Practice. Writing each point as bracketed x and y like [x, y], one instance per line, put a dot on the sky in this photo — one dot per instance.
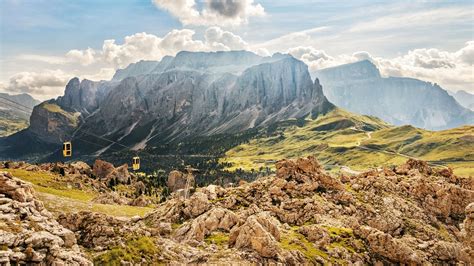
[45, 43]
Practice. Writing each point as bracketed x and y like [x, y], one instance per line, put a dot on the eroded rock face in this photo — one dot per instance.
[305, 175]
[260, 232]
[102, 169]
[467, 234]
[99, 231]
[202, 226]
[106, 171]
[28, 232]
[177, 180]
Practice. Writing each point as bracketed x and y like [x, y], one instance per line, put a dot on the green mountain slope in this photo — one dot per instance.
[350, 142]
[10, 124]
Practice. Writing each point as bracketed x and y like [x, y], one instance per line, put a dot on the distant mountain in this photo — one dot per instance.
[359, 87]
[15, 117]
[465, 98]
[190, 95]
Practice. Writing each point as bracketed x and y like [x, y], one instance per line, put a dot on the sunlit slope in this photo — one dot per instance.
[10, 125]
[60, 196]
[341, 138]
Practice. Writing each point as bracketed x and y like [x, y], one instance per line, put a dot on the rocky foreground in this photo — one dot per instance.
[301, 215]
[29, 233]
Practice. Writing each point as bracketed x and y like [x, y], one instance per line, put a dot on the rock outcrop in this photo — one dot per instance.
[409, 214]
[106, 171]
[178, 180]
[28, 232]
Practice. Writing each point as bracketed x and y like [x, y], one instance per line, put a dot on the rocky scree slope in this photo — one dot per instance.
[28, 232]
[407, 214]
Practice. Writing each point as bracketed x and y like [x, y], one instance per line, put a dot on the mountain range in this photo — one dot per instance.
[15, 111]
[189, 95]
[212, 102]
[360, 88]
[464, 98]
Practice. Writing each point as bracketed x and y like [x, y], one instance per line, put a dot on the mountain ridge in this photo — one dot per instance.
[397, 100]
[181, 101]
[15, 112]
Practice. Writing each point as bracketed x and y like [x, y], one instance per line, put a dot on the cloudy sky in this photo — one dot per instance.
[44, 43]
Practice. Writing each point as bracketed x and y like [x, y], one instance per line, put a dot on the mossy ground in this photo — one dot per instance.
[134, 250]
[293, 240]
[54, 108]
[218, 238]
[58, 196]
[342, 238]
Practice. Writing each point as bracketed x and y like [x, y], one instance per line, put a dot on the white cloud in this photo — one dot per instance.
[291, 40]
[41, 85]
[317, 59]
[362, 55]
[55, 60]
[213, 12]
[105, 73]
[84, 57]
[466, 54]
[452, 70]
[144, 46]
[224, 40]
[135, 46]
[429, 18]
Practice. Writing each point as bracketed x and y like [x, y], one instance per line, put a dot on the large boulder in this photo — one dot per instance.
[396, 250]
[202, 226]
[178, 180]
[467, 234]
[106, 171]
[305, 175]
[15, 189]
[81, 168]
[120, 174]
[102, 169]
[260, 232]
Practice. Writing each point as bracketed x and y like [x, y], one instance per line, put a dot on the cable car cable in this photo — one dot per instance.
[18, 108]
[16, 103]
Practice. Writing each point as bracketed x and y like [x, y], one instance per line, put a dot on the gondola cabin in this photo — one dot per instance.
[136, 163]
[67, 149]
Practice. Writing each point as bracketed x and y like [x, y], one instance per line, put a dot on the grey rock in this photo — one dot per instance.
[359, 88]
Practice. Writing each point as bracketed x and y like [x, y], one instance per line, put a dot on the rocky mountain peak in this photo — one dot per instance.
[201, 93]
[364, 69]
[358, 87]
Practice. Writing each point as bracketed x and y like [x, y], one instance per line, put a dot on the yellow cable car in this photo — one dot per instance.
[136, 163]
[67, 149]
